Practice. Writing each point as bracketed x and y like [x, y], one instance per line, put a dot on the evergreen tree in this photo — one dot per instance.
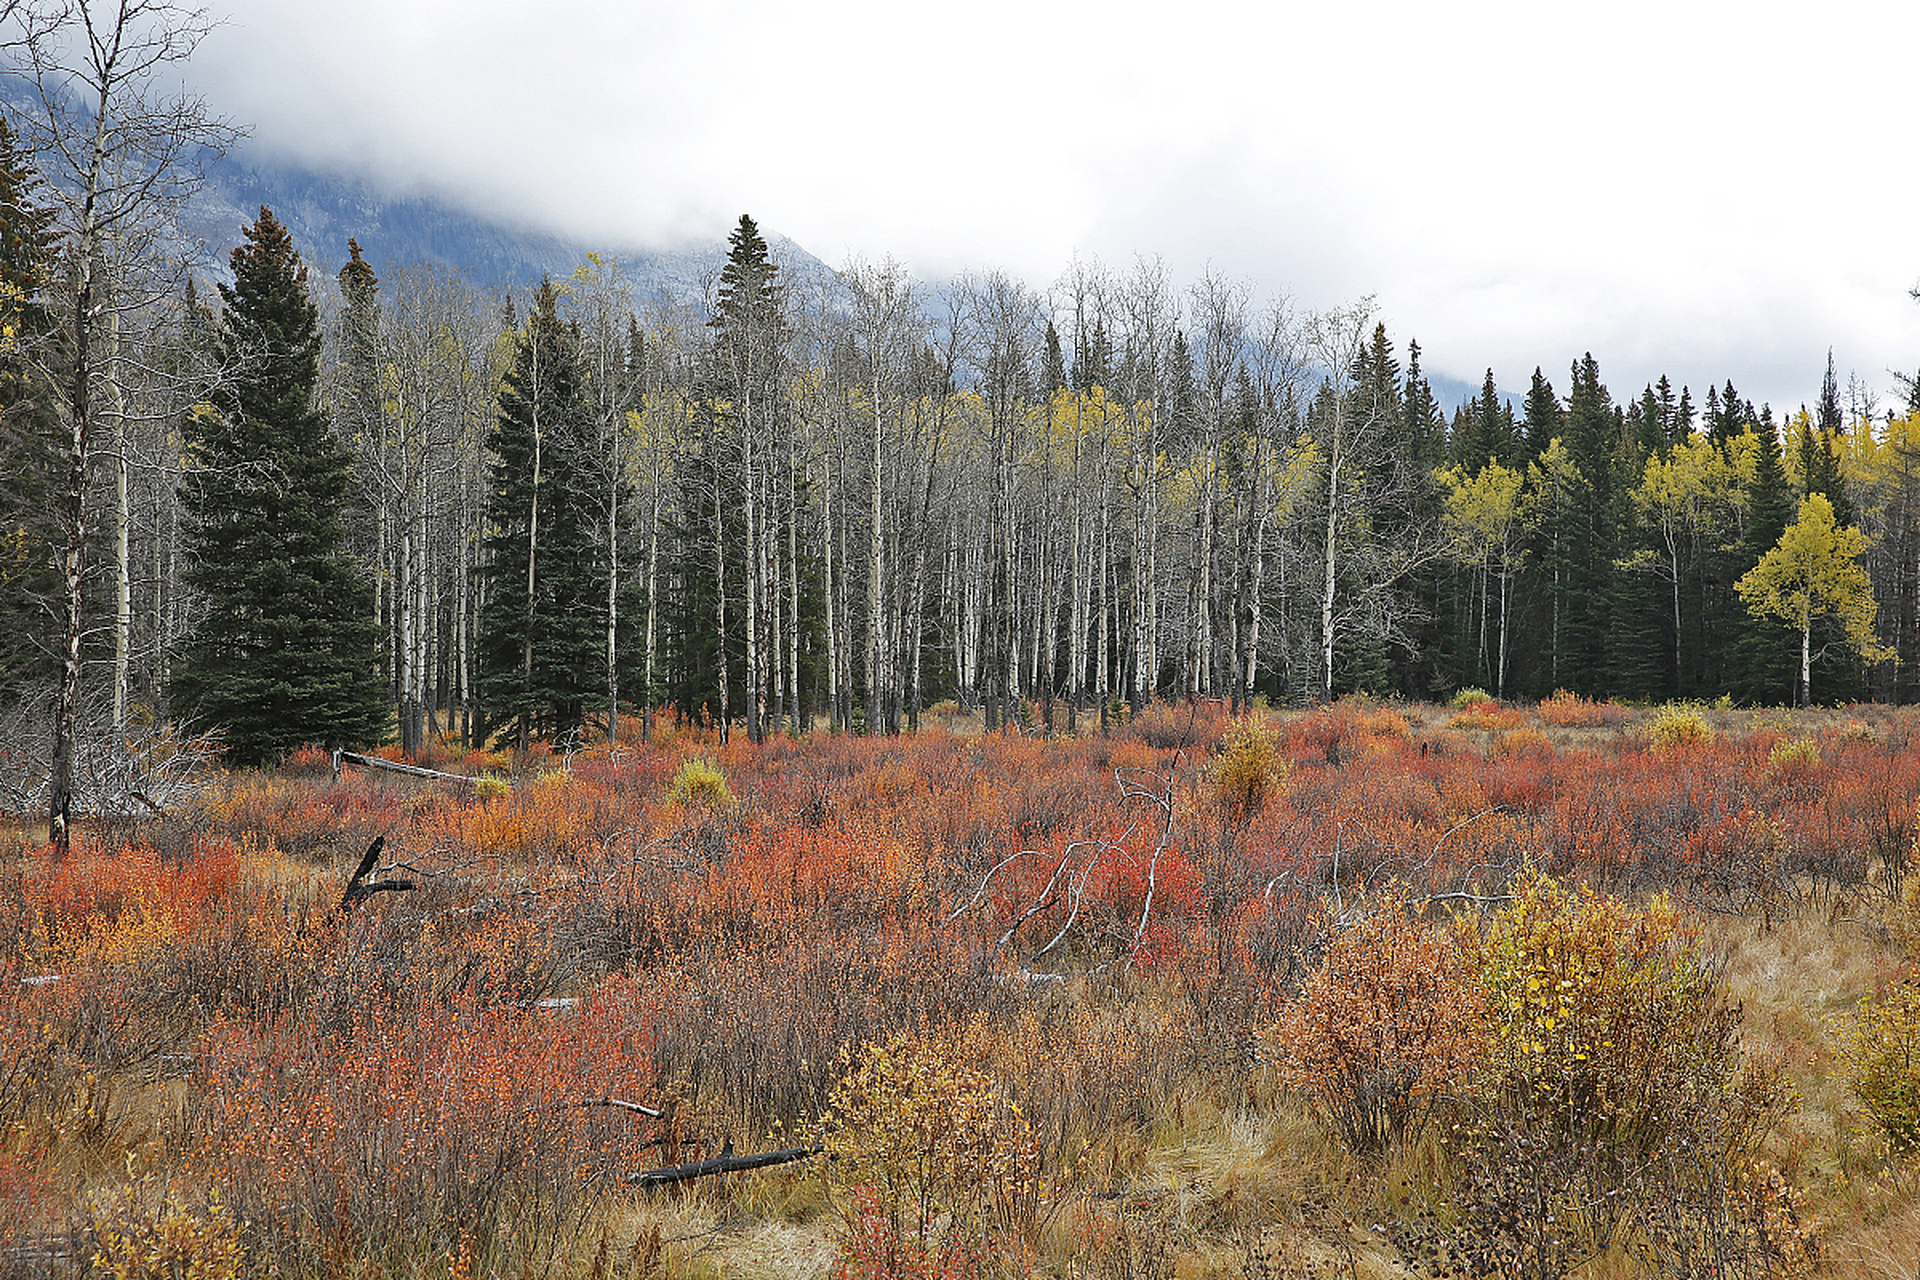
[1487, 431]
[1542, 420]
[1092, 357]
[1056, 374]
[1589, 607]
[29, 425]
[1828, 421]
[285, 652]
[541, 648]
[1727, 414]
[1763, 659]
[1426, 426]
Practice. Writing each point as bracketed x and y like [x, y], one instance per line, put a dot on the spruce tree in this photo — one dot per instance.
[1591, 582]
[1487, 431]
[1542, 419]
[29, 425]
[1763, 655]
[1426, 426]
[541, 648]
[1056, 375]
[285, 650]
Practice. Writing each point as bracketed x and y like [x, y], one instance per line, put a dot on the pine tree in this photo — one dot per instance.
[285, 652]
[1828, 421]
[1056, 372]
[1487, 431]
[1590, 582]
[1426, 426]
[541, 648]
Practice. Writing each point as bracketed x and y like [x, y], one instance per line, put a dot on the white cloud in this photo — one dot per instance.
[1709, 190]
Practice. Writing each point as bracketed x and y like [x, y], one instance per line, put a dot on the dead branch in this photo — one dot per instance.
[718, 1165]
[394, 766]
[616, 1103]
[359, 887]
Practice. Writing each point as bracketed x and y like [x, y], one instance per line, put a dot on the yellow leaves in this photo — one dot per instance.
[1695, 488]
[171, 1242]
[1814, 570]
[930, 1135]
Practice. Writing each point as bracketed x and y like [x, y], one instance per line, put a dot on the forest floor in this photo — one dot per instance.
[1043, 1004]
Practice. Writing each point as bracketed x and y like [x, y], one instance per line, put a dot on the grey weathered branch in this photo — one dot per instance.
[719, 1165]
[394, 766]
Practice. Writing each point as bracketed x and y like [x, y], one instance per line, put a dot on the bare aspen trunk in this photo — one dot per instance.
[613, 589]
[1256, 571]
[1102, 689]
[1332, 529]
[533, 545]
[720, 604]
[836, 676]
[653, 615]
[874, 547]
[750, 544]
[793, 590]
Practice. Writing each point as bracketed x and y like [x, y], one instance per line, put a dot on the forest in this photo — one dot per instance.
[839, 502]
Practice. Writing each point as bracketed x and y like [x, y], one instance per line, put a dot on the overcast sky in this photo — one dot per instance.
[1709, 190]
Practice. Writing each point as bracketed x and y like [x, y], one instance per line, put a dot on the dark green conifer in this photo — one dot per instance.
[1056, 372]
[1765, 659]
[285, 650]
[1487, 431]
[29, 424]
[1541, 417]
[541, 648]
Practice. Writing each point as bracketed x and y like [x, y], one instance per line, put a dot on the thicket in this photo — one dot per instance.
[1132, 1005]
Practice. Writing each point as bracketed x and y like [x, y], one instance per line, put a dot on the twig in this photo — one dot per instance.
[981, 891]
[619, 1104]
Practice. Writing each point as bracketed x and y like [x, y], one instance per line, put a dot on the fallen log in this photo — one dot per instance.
[394, 766]
[719, 1164]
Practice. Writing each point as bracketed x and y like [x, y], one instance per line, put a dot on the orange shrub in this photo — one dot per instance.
[1571, 711]
[1392, 1016]
[409, 1129]
[1488, 715]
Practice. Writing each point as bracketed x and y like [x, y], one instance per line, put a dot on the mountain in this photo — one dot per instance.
[322, 211]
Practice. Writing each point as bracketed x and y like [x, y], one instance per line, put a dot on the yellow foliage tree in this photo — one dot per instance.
[1687, 499]
[1490, 515]
[1814, 572]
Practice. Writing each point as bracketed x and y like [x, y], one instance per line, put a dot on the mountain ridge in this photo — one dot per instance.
[322, 212]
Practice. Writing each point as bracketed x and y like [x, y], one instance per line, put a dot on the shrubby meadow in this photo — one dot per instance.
[1373, 989]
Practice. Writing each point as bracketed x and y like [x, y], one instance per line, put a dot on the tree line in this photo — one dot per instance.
[412, 506]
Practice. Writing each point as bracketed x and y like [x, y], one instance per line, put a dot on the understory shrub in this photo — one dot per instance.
[1615, 1107]
[1881, 1051]
[1390, 1017]
[938, 1168]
